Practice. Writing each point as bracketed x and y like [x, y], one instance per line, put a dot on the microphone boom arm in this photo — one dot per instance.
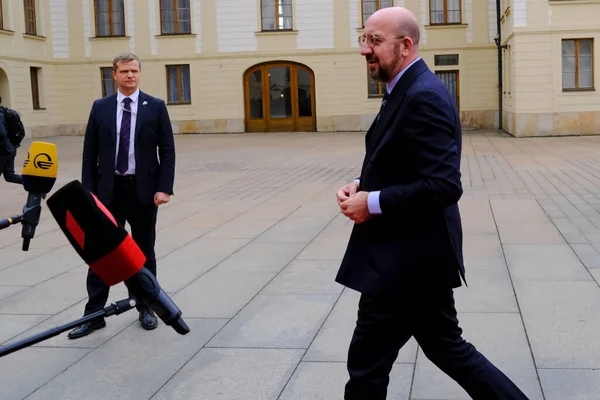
[6, 222]
[117, 308]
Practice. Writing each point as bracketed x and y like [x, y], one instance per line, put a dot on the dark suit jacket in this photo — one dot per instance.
[6, 147]
[152, 131]
[413, 157]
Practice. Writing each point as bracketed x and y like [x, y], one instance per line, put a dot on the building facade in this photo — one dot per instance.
[294, 65]
[549, 49]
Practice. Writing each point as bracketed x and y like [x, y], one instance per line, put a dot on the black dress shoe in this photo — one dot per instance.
[86, 329]
[148, 319]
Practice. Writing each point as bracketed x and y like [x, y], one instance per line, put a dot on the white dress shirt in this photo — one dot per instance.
[373, 200]
[120, 110]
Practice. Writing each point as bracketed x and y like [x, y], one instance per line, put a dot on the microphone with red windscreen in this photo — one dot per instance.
[109, 250]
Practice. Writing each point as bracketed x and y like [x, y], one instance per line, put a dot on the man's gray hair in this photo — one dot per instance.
[125, 57]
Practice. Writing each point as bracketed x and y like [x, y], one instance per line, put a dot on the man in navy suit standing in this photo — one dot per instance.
[120, 165]
[405, 252]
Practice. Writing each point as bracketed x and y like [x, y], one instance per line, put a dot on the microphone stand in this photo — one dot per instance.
[6, 222]
[30, 218]
[117, 308]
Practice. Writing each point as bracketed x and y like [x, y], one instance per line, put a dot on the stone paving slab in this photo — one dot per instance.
[570, 384]
[249, 247]
[233, 374]
[221, 294]
[562, 319]
[276, 321]
[322, 381]
[28, 370]
[556, 262]
[103, 374]
[499, 337]
[40, 269]
[490, 287]
[331, 343]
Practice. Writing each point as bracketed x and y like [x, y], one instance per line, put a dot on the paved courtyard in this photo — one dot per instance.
[249, 246]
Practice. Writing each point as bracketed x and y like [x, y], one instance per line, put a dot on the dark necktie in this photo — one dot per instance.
[124, 136]
[383, 101]
[385, 97]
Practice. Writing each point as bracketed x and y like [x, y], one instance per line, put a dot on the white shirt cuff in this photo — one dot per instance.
[373, 203]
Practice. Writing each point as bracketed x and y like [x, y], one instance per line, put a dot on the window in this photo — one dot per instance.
[1, 16]
[376, 88]
[109, 85]
[446, 59]
[444, 12]
[110, 17]
[35, 87]
[276, 15]
[507, 71]
[175, 17]
[451, 80]
[30, 25]
[577, 64]
[178, 84]
[370, 6]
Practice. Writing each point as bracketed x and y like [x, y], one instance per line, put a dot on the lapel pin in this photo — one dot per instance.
[144, 103]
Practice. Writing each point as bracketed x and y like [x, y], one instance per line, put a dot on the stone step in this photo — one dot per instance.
[467, 127]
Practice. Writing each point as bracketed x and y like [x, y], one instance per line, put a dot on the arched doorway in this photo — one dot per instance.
[4, 89]
[279, 97]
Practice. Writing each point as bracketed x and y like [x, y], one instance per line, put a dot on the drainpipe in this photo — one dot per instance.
[498, 41]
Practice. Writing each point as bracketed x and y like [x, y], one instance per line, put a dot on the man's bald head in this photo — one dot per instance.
[390, 42]
[399, 21]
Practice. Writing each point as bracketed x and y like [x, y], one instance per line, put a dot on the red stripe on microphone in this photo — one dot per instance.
[120, 264]
[75, 230]
[104, 209]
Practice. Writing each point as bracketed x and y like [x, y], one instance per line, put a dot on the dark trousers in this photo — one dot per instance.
[385, 325]
[142, 219]
[7, 168]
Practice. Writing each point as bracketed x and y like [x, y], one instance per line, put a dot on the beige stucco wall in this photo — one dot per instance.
[535, 103]
[222, 47]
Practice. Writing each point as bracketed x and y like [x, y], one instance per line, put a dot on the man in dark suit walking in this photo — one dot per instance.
[8, 151]
[405, 252]
[120, 165]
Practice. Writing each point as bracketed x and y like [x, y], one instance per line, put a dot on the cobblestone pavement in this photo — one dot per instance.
[249, 246]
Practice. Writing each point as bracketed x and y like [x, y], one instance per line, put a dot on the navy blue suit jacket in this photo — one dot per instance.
[413, 157]
[153, 132]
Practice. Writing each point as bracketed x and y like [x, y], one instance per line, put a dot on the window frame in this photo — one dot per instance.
[30, 6]
[507, 69]
[362, 10]
[35, 87]
[1, 16]
[102, 80]
[277, 28]
[176, 20]
[445, 9]
[576, 43]
[456, 73]
[179, 84]
[110, 21]
[381, 85]
[437, 59]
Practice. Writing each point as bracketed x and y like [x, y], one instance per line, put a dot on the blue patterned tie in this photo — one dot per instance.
[124, 135]
[383, 101]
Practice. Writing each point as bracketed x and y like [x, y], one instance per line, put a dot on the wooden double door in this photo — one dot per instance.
[279, 97]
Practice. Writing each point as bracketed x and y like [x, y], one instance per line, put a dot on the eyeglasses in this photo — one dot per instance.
[373, 40]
